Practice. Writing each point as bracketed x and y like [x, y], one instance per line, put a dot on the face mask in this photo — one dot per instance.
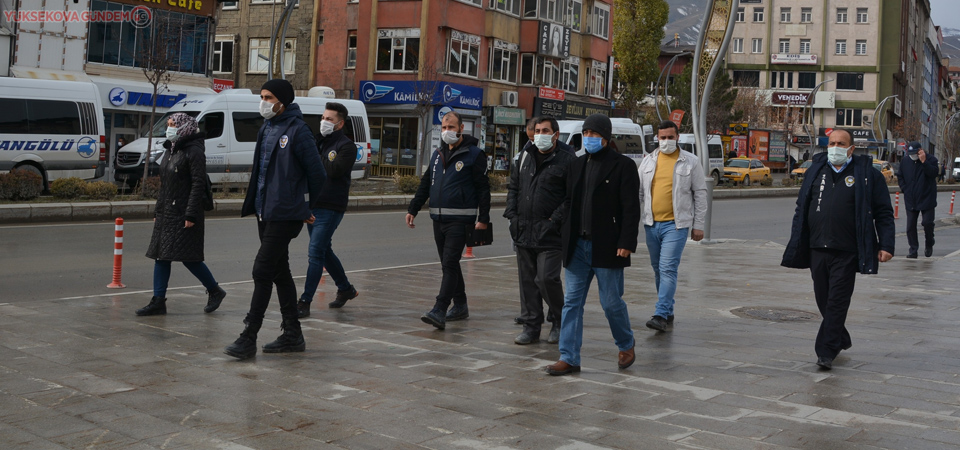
[326, 127]
[449, 137]
[266, 109]
[172, 134]
[592, 144]
[668, 147]
[914, 156]
[543, 142]
[837, 155]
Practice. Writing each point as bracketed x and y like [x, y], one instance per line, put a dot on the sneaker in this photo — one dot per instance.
[434, 317]
[657, 323]
[458, 312]
[156, 307]
[342, 297]
[554, 336]
[303, 309]
[213, 299]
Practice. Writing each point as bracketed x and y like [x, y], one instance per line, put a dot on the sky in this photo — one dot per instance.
[945, 13]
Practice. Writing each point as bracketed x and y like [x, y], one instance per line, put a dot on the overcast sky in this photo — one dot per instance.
[945, 13]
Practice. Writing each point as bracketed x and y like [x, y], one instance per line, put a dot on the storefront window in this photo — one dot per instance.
[393, 144]
[501, 146]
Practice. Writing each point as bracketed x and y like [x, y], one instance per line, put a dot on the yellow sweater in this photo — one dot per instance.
[661, 190]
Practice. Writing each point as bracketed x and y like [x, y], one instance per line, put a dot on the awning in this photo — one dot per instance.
[122, 94]
[48, 74]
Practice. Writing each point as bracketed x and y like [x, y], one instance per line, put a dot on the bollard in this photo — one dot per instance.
[469, 253]
[952, 198]
[117, 255]
[896, 207]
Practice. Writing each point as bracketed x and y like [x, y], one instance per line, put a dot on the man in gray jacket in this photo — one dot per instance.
[673, 198]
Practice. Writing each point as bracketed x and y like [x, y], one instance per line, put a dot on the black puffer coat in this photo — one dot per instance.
[535, 198]
[182, 187]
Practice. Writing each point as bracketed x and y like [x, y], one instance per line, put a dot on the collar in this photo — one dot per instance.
[844, 166]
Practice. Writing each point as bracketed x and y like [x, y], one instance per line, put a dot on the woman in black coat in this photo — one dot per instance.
[178, 217]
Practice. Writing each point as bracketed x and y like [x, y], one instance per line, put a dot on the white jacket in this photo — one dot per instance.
[689, 190]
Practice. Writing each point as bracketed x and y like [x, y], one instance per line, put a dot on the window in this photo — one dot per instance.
[529, 9]
[861, 15]
[22, 116]
[598, 79]
[552, 10]
[211, 125]
[850, 81]
[841, 15]
[570, 74]
[271, 1]
[230, 5]
[246, 125]
[601, 20]
[503, 62]
[784, 45]
[464, 54]
[746, 78]
[398, 50]
[551, 72]
[785, 14]
[223, 54]
[841, 46]
[738, 45]
[473, 2]
[807, 80]
[782, 80]
[352, 50]
[861, 48]
[507, 6]
[527, 63]
[758, 14]
[849, 117]
[575, 15]
[740, 13]
[260, 55]
[758, 45]
[804, 46]
[806, 15]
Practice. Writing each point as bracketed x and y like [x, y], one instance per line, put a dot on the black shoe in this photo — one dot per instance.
[213, 299]
[518, 320]
[657, 323]
[434, 317]
[846, 347]
[670, 319]
[825, 363]
[526, 338]
[928, 252]
[912, 256]
[342, 297]
[290, 341]
[303, 308]
[458, 312]
[554, 335]
[246, 345]
[156, 307]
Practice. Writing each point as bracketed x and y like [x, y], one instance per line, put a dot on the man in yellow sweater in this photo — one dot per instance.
[673, 199]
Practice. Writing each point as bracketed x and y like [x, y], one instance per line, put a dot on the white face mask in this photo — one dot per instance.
[326, 127]
[543, 142]
[914, 156]
[449, 137]
[668, 146]
[172, 134]
[837, 155]
[266, 109]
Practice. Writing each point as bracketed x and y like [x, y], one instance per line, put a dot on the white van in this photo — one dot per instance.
[714, 153]
[231, 120]
[956, 169]
[52, 128]
[631, 139]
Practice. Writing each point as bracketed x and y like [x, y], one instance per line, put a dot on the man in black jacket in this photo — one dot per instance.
[535, 209]
[917, 178]
[338, 153]
[599, 233]
[843, 225]
[458, 188]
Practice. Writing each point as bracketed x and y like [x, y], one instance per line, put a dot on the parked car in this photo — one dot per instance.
[745, 170]
[885, 168]
[800, 171]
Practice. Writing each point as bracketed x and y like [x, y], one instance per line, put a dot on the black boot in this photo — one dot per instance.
[246, 345]
[156, 307]
[290, 341]
[214, 298]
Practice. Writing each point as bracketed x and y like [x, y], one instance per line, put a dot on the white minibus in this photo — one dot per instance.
[630, 139]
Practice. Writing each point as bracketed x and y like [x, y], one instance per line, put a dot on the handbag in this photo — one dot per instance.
[479, 238]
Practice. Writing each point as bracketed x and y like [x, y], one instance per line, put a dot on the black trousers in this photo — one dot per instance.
[451, 239]
[272, 267]
[834, 273]
[926, 222]
[539, 273]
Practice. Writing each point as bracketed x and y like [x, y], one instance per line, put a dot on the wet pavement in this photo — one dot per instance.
[88, 373]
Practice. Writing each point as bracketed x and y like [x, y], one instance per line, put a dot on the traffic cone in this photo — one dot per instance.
[469, 253]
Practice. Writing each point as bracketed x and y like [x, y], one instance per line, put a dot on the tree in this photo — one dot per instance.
[723, 97]
[159, 58]
[637, 33]
[425, 91]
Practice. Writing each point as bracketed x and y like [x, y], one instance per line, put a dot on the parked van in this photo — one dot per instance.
[52, 128]
[631, 139]
[956, 169]
[714, 153]
[231, 120]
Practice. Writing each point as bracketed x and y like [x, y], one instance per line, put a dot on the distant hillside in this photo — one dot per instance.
[951, 45]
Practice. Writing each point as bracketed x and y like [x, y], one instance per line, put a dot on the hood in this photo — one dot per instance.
[292, 110]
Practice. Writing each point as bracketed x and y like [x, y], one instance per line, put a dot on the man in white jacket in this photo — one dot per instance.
[673, 198]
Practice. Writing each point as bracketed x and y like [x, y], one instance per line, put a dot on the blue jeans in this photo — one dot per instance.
[320, 254]
[161, 276]
[578, 275]
[665, 244]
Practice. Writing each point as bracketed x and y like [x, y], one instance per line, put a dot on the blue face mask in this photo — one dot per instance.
[592, 144]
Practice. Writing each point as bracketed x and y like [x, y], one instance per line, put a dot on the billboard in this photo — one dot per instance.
[758, 144]
[554, 40]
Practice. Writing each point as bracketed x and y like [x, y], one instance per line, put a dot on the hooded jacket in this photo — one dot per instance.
[918, 181]
[535, 197]
[457, 185]
[338, 153]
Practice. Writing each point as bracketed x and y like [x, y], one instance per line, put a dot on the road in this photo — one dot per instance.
[42, 262]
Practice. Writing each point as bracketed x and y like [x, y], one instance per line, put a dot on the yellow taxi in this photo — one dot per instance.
[885, 168]
[743, 171]
[799, 171]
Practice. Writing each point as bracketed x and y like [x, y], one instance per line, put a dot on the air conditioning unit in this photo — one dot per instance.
[867, 118]
[509, 98]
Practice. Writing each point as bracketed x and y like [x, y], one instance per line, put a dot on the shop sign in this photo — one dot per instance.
[581, 110]
[793, 58]
[409, 92]
[552, 94]
[196, 7]
[738, 129]
[554, 40]
[508, 116]
[220, 85]
[790, 98]
[758, 144]
[119, 96]
[859, 135]
[804, 139]
[778, 147]
[550, 108]
[676, 116]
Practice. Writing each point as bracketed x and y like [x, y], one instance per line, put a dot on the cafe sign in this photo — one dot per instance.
[196, 7]
[790, 98]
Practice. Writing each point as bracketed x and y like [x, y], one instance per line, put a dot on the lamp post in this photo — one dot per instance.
[664, 80]
[808, 112]
[877, 128]
[280, 32]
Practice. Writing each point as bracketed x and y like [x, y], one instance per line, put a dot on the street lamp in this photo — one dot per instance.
[664, 80]
[280, 32]
[877, 127]
[808, 112]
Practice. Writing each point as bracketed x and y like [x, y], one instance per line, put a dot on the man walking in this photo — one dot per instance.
[843, 225]
[535, 208]
[338, 153]
[673, 198]
[917, 178]
[458, 188]
[599, 234]
[287, 176]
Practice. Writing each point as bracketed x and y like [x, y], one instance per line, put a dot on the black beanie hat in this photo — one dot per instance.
[599, 123]
[281, 89]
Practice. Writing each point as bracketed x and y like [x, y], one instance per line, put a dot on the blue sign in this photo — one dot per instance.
[87, 147]
[118, 96]
[408, 92]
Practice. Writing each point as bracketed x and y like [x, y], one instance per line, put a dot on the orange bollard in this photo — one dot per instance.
[896, 207]
[952, 198]
[469, 253]
[117, 255]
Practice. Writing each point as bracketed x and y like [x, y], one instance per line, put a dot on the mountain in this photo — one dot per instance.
[951, 45]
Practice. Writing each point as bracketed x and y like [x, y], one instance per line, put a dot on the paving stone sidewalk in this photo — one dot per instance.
[87, 373]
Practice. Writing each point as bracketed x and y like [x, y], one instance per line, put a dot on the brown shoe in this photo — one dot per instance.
[561, 368]
[626, 359]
